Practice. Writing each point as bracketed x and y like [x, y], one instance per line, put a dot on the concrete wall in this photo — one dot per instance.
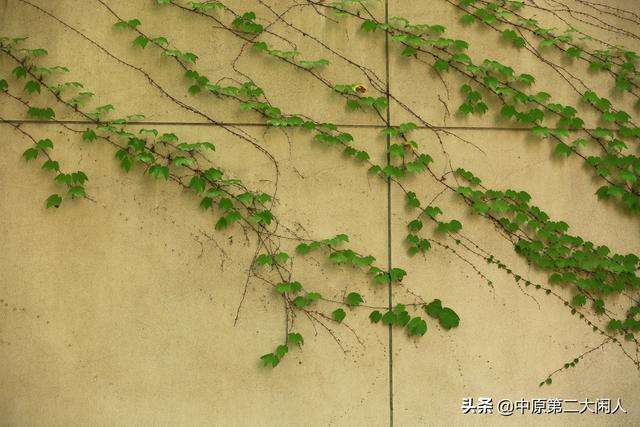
[121, 310]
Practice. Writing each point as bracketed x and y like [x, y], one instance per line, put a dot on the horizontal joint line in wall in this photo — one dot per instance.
[345, 125]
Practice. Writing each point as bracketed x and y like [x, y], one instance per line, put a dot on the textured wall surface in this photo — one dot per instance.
[128, 308]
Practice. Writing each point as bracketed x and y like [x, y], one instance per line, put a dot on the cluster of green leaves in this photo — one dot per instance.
[355, 101]
[621, 171]
[531, 116]
[210, 183]
[416, 243]
[248, 92]
[141, 148]
[567, 365]
[74, 182]
[290, 56]
[10, 45]
[619, 61]
[400, 130]
[415, 36]
[45, 113]
[446, 316]
[187, 57]
[417, 164]
[246, 23]
[499, 79]
[349, 257]
[210, 5]
[548, 245]
[491, 12]
[399, 316]
[631, 323]
[142, 41]
[273, 359]
[132, 23]
[417, 29]
[293, 288]
[263, 46]
[473, 101]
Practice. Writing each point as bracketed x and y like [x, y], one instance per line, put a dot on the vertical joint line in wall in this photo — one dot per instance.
[390, 293]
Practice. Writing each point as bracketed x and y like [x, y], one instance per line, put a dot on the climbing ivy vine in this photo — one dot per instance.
[592, 271]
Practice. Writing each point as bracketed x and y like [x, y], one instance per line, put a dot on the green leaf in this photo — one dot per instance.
[30, 154]
[623, 84]
[375, 316]
[41, 113]
[313, 296]
[79, 177]
[514, 38]
[434, 308]
[225, 204]
[467, 19]
[465, 108]
[415, 225]
[54, 200]
[417, 326]
[441, 65]
[448, 318]
[283, 287]
[76, 192]
[206, 5]
[44, 144]
[183, 161]
[526, 79]
[158, 171]
[281, 350]
[541, 131]
[141, 41]
[222, 223]
[396, 150]
[281, 257]
[206, 203]
[264, 259]
[397, 274]
[412, 200]
[354, 298]
[579, 300]
[598, 306]
[51, 165]
[338, 315]
[32, 86]
[295, 338]
[270, 359]
[432, 211]
[369, 25]
[389, 318]
[563, 149]
[88, 135]
[546, 43]
[63, 179]
[574, 52]
[19, 72]
[160, 41]
[303, 248]
[409, 51]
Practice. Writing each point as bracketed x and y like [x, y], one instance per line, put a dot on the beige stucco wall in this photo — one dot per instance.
[120, 310]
